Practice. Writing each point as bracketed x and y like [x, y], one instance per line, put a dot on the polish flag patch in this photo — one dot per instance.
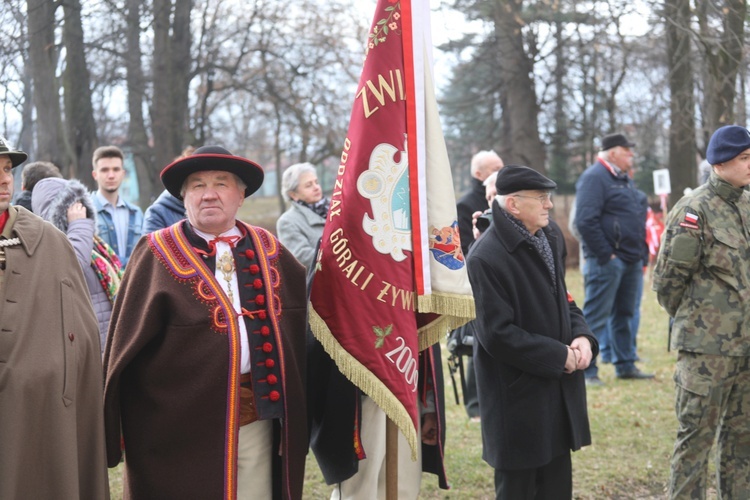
[690, 222]
[570, 297]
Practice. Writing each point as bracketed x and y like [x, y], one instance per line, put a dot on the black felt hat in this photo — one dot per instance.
[514, 178]
[211, 158]
[16, 156]
[613, 140]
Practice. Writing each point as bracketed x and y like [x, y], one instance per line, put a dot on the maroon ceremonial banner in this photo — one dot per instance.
[390, 276]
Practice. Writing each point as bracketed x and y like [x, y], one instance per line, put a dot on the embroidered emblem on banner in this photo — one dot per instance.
[690, 222]
[386, 184]
[445, 246]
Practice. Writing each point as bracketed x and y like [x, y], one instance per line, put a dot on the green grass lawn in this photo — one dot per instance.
[633, 428]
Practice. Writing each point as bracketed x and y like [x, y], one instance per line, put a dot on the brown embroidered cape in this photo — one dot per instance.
[172, 365]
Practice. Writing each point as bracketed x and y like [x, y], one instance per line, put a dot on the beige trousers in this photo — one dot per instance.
[369, 482]
[254, 457]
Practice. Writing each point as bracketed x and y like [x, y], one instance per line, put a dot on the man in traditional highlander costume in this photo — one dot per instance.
[205, 354]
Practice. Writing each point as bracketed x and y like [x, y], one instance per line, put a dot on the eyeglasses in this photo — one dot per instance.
[541, 198]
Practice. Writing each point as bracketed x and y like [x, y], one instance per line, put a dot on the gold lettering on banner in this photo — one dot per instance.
[386, 90]
[340, 248]
[384, 291]
[338, 187]
[359, 276]
[398, 296]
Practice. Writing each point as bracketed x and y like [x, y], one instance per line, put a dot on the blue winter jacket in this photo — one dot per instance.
[611, 216]
[163, 212]
[105, 228]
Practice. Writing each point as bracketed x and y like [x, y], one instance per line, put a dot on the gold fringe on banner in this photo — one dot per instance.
[435, 331]
[455, 310]
[365, 380]
[450, 304]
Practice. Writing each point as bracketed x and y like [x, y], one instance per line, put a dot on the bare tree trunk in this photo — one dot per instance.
[723, 54]
[164, 147]
[682, 148]
[741, 106]
[171, 68]
[180, 48]
[26, 137]
[558, 166]
[79, 114]
[43, 60]
[516, 69]
[148, 183]
[277, 156]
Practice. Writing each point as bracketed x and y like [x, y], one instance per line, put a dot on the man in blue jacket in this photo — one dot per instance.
[611, 217]
[118, 222]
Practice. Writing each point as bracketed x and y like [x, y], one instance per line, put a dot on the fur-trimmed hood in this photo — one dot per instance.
[51, 198]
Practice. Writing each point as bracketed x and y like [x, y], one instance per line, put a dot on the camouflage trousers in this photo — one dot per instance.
[712, 396]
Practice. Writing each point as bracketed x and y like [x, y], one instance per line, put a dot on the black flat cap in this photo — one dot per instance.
[211, 158]
[613, 140]
[513, 178]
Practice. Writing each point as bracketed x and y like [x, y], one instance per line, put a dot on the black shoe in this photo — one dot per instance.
[594, 381]
[635, 374]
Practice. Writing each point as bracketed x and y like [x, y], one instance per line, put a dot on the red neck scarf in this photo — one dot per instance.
[3, 219]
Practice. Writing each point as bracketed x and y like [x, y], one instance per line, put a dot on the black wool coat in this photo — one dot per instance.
[531, 410]
[334, 414]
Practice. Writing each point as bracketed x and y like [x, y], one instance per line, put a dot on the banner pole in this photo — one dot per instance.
[391, 460]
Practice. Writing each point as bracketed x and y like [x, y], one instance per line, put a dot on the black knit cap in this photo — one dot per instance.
[514, 178]
[16, 156]
[613, 140]
[211, 158]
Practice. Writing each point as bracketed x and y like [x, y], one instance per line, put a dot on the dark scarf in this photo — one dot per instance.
[539, 242]
[320, 208]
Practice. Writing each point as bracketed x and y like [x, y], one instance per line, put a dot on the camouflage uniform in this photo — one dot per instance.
[702, 278]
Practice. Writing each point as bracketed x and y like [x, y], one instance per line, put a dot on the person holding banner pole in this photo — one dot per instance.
[532, 343]
[390, 278]
[348, 429]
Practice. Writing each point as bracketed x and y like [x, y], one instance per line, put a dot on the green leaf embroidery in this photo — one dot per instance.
[381, 334]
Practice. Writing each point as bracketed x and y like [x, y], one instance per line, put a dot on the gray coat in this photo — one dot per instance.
[50, 200]
[299, 229]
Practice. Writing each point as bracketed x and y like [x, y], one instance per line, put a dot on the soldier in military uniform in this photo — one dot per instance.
[702, 278]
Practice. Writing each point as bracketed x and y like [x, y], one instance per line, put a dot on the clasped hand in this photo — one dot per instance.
[579, 355]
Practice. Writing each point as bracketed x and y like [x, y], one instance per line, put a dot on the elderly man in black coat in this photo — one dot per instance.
[533, 343]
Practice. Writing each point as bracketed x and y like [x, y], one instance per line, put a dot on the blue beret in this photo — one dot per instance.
[727, 143]
[513, 178]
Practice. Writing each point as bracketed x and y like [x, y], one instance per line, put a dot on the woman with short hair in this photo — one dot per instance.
[300, 227]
